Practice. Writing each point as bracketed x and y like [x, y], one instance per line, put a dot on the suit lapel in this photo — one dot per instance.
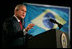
[16, 24]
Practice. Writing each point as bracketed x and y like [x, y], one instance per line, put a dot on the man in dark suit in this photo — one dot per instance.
[13, 29]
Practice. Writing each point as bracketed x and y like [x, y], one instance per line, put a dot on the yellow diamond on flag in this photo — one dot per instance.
[39, 19]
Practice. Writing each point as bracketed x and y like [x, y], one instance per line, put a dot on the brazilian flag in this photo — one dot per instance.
[40, 15]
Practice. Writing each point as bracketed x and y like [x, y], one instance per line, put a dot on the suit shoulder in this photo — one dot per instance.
[9, 19]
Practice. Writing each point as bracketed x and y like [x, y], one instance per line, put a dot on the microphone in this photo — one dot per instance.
[54, 21]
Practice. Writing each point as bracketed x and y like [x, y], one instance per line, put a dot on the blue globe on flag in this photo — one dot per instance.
[46, 20]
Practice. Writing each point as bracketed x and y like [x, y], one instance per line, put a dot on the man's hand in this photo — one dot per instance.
[29, 27]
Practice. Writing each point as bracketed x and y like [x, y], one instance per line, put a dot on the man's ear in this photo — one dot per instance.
[15, 11]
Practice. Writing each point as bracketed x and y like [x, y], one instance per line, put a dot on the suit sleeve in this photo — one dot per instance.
[9, 31]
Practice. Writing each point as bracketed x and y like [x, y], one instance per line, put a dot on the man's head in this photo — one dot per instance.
[20, 11]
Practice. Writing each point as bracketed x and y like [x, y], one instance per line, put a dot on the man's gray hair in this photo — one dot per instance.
[18, 6]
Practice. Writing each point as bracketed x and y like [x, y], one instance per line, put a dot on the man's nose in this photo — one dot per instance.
[24, 12]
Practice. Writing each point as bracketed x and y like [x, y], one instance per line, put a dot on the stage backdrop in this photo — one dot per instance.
[40, 15]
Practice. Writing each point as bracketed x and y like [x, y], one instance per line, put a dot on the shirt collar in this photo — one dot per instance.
[17, 18]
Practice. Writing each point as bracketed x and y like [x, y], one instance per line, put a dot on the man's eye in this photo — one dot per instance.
[22, 10]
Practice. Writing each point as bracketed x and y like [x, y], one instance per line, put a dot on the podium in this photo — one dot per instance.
[49, 39]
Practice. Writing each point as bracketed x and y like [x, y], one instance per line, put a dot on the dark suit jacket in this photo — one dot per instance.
[12, 34]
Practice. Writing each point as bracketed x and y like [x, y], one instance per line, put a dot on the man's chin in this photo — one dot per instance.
[22, 17]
